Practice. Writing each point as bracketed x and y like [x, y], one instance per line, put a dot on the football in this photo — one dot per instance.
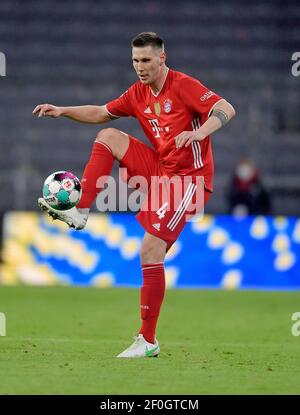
[62, 190]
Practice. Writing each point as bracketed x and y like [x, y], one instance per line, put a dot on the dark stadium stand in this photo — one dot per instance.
[74, 52]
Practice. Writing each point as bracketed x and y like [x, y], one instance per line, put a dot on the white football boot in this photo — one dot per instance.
[72, 217]
[141, 348]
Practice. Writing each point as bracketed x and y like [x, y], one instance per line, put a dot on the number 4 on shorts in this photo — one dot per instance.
[162, 211]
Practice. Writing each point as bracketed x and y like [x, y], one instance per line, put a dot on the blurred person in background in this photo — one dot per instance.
[247, 194]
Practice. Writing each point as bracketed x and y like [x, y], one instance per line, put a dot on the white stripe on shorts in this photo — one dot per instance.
[182, 207]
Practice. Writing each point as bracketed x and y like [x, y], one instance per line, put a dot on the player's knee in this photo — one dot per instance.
[151, 252]
[107, 136]
[116, 140]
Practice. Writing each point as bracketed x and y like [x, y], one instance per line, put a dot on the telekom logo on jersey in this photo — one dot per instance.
[177, 193]
[157, 129]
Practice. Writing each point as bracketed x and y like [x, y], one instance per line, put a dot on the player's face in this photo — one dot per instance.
[148, 63]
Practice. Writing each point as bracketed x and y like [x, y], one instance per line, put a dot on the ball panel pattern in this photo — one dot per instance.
[62, 190]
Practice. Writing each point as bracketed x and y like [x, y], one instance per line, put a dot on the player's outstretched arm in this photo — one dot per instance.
[221, 114]
[91, 114]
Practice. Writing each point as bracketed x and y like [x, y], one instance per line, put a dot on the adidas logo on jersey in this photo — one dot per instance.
[156, 226]
[148, 110]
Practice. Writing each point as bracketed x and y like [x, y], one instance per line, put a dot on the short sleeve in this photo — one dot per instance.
[198, 97]
[122, 106]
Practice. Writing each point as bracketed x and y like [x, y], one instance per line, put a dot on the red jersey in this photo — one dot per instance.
[182, 104]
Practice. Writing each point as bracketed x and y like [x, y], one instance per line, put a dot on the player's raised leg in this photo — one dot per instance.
[110, 144]
[152, 292]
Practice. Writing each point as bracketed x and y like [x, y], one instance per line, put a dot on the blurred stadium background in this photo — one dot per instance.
[78, 52]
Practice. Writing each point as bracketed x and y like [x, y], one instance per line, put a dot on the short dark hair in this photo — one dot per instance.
[147, 39]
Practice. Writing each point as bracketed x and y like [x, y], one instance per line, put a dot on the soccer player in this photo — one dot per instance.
[178, 114]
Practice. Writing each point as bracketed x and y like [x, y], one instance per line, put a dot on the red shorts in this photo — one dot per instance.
[170, 201]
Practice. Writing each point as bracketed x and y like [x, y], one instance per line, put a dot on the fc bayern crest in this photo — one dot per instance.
[167, 105]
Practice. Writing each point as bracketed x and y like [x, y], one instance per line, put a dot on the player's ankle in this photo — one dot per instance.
[149, 339]
[83, 211]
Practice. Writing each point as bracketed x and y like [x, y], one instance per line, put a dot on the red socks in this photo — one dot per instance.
[153, 288]
[151, 298]
[100, 164]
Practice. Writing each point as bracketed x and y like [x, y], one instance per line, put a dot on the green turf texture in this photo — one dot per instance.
[63, 340]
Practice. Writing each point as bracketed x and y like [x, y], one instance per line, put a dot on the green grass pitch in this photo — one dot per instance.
[63, 340]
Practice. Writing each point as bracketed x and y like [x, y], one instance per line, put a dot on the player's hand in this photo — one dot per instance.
[47, 110]
[185, 138]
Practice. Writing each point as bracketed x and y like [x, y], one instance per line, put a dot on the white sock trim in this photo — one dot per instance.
[105, 145]
[159, 265]
[84, 211]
